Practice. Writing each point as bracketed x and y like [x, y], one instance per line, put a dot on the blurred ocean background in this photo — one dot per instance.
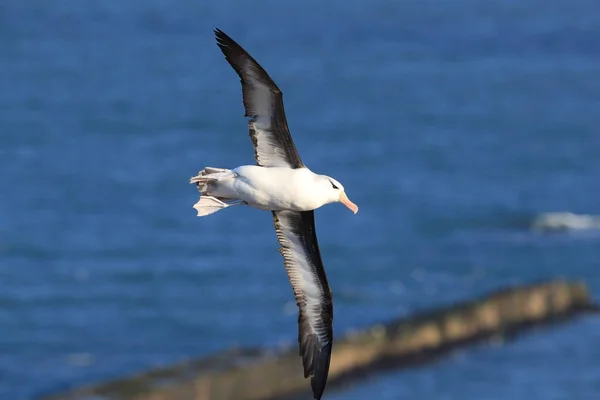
[452, 124]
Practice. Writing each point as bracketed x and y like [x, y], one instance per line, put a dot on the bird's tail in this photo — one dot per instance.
[206, 181]
[210, 175]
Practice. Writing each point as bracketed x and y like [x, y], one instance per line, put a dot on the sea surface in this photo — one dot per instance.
[452, 124]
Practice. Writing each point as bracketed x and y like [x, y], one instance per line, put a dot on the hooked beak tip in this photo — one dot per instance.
[346, 201]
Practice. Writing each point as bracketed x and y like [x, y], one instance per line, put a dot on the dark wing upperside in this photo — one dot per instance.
[263, 103]
[302, 259]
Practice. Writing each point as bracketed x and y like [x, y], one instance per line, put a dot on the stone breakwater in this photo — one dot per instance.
[259, 374]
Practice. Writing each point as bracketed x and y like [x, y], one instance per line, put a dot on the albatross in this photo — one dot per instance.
[282, 184]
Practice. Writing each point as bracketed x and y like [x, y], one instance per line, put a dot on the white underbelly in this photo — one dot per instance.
[275, 188]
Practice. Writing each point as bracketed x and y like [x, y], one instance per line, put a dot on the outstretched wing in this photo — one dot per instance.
[302, 260]
[263, 103]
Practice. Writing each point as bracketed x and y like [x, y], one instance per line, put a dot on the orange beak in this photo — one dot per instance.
[346, 201]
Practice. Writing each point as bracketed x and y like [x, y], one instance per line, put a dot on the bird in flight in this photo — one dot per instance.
[282, 184]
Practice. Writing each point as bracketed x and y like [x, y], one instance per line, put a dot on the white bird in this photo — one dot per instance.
[280, 183]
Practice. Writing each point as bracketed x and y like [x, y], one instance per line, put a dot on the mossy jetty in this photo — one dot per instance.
[250, 374]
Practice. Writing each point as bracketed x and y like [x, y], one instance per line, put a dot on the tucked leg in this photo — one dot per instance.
[208, 205]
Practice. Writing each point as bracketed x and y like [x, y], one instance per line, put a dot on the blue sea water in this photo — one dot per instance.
[452, 124]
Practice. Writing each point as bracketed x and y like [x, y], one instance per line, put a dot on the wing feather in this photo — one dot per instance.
[302, 259]
[263, 103]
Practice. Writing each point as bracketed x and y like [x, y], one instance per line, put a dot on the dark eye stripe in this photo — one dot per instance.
[333, 184]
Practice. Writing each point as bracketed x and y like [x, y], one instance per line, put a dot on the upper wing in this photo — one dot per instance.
[302, 260]
[263, 103]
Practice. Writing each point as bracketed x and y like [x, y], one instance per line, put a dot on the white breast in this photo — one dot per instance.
[277, 188]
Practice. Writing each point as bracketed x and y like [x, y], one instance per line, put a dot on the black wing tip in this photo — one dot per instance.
[219, 33]
[315, 359]
[232, 50]
[223, 40]
[321, 371]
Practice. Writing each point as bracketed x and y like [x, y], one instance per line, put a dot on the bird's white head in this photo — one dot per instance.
[334, 192]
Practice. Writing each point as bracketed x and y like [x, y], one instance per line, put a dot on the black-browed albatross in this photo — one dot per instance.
[282, 184]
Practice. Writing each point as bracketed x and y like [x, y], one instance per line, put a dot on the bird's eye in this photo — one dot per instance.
[333, 184]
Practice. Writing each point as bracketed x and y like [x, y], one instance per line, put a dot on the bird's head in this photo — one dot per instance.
[334, 192]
